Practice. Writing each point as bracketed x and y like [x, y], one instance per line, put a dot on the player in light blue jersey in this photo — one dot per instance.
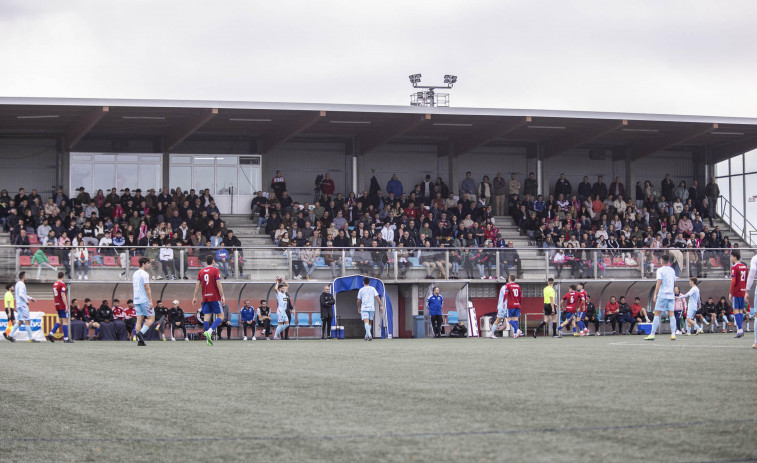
[282, 300]
[140, 282]
[367, 299]
[501, 322]
[22, 308]
[664, 297]
[691, 312]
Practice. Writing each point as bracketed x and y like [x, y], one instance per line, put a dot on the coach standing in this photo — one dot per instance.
[327, 307]
[435, 302]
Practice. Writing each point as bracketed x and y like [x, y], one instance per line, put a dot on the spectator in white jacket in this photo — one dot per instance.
[166, 261]
[387, 234]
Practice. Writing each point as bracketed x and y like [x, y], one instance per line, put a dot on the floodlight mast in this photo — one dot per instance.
[430, 97]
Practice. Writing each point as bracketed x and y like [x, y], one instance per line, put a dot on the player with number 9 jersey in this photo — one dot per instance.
[211, 297]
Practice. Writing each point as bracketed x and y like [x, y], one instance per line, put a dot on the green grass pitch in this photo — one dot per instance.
[587, 399]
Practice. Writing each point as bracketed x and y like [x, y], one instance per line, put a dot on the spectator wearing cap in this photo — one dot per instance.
[176, 319]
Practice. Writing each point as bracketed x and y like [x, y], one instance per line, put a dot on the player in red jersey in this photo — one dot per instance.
[738, 292]
[581, 313]
[513, 295]
[570, 304]
[60, 298]
[209, 280]
[130, 318]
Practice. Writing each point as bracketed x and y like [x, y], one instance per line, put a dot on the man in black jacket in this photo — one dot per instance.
[161, 316]
[624, 316]
[264, 318]
[176, 319]
[591, 315]
[327, 309]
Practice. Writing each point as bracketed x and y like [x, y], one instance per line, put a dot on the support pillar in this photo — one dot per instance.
[540, 170]
[451, 166]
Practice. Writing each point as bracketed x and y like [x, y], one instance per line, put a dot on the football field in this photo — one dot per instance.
[573, 399]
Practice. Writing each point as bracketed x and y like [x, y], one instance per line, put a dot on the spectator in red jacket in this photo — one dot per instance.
[327, 185]
[638, 312]
[611, 313]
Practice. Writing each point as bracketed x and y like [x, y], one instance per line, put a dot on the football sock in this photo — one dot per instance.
[14, 329]
[656, 325]
[574, 329]
[65, 331]
[541, 325]
[514, 324]
[205, 325]
[672, 326]
[554, 328]
[215, 324]
[367, 330]
[279, 329]
[740, 320]
[55, 328]
[724, 324]
[145, 328]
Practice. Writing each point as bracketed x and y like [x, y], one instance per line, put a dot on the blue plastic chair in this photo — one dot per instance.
[274, 319]
[303, 320]
[316, 319]
[453, 317]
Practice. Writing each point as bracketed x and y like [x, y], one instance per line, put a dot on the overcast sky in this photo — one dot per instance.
[657, 56]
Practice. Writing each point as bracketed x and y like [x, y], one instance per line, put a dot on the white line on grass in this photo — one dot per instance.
[666, 344]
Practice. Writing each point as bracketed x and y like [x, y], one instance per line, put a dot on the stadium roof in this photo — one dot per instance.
[372, 126]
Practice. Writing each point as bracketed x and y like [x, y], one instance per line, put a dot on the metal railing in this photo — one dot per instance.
[743, 226]
[393, 263]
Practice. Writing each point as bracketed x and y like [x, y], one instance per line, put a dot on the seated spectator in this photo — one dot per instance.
[333, 258]
[222, 260]
[638, 312]
[624, 316]
[611, 313]
[81, 256]
[176, 319]
[247, 319]
[161, 318]
[226, 323]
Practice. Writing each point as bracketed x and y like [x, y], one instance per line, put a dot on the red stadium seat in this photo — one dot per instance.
[194, 261]
[33, 239]
[713, 262]
[608, 263]
[24, 261]
[617, 262]
[134, 262]
[110, 261]
[54, 261]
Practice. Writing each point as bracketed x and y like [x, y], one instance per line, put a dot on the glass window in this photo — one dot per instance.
[105, 176]
[181, 160]
[80, 157]
[180, 177]
[248, 179]
[750, 159]
[81, 175]
[101, 157]
[151, 159]
[737, 198]
[128, 158]
[202, 177]
[204, 160]
[226, 177]
[751, 201]
[150, 176]
[227, 160]
[725, 192]
[127, 176]
[721, 168]
[737, 166]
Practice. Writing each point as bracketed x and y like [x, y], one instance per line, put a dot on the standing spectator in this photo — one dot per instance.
[694, 194]
[394, 186]
[639, 196]
[278, 184]
[584, 190]
[247, 318]
[530, 186]
[599, 189]
[617, 188]
[468, 188]
[327, 303]
[563, 187]
[176, 319]
[434, 304]
[500, 186]
[327, 185]
[711, 192]
[667, 187]
[513, 186]
[485, 191]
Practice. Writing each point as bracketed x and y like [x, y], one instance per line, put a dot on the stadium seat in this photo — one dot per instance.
[109, 261]
[303, 319]
[608, 262]
[274, 319]
[134, 261]
[320, 262]
[234, 321]
[54, 261]
[714, 263]
[193, 261]
[316, 320]
[618, 262]
[453, 317]
[33, 239]
[24, 261]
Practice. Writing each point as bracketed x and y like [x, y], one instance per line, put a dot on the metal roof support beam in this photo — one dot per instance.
[580, 137]
[76, 132]
[271, 140]
[468, 144]
[727, 150]
[642, 150]
[180, 133]
[370, 143]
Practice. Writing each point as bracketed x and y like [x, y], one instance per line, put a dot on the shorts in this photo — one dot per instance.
[282, 316]
[691, 313]
[738, 303]
[62, 314]
[211, 307]
[580, 315]
[547, 309]
[22, 313]
[144, 310]
[513, 313]
[568, 315]
[11, 313]
[367, 314]
[665, 305]
[502, 313]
